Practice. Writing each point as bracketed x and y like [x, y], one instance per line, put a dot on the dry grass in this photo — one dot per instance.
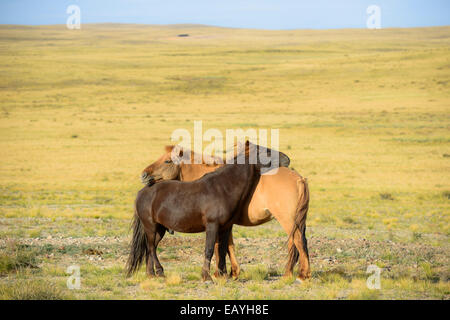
[362, 113]
[33, 290]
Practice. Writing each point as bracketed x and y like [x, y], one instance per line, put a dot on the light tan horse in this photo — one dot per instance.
[283, 196]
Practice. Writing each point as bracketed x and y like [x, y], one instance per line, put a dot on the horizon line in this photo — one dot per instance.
[215, 26]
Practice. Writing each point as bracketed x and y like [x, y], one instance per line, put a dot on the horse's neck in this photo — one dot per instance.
[238, 173]
[191, 172]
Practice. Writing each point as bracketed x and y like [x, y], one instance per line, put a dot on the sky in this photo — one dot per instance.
[260, 14]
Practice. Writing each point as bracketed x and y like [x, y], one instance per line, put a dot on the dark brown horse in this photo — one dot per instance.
[283, 195]
[210, 204]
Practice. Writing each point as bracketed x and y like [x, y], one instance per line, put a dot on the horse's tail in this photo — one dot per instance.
[299, 221]
[139, 246]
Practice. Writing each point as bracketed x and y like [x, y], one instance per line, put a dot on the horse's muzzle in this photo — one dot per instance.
[284, 162]
[146, 179]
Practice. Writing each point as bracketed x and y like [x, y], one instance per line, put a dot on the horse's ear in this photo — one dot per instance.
[169, 148]
[177, 154]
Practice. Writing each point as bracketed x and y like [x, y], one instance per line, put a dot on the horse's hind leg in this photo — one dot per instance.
[211, 236]
[305, 267]
[302, 245]
[217, 257]
[293, 258]
[151, 247]
[235, 269]
[154, 233]
[287, 223]
[160, 231]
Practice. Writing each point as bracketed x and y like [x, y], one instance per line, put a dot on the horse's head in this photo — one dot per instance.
[164, 168]
[266, 158]
[280, 159]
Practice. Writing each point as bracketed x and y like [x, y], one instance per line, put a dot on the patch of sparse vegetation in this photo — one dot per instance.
[33, 290]
[386, 196]
[256, 273]
[416, 236]
[16, 257]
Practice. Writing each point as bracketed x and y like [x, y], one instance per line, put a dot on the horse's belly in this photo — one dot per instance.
[256, 213]
[189, 229]
[256, 219]
[188, 222]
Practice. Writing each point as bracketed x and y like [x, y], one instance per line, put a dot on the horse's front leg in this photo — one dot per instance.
[211, 236]
[224, 237]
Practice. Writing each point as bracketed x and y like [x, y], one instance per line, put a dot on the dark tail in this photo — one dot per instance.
[300, 221]
[138, 249]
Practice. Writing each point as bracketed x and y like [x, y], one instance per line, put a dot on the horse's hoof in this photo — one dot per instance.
[207, 278]
[219, 274]
[299, 281]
